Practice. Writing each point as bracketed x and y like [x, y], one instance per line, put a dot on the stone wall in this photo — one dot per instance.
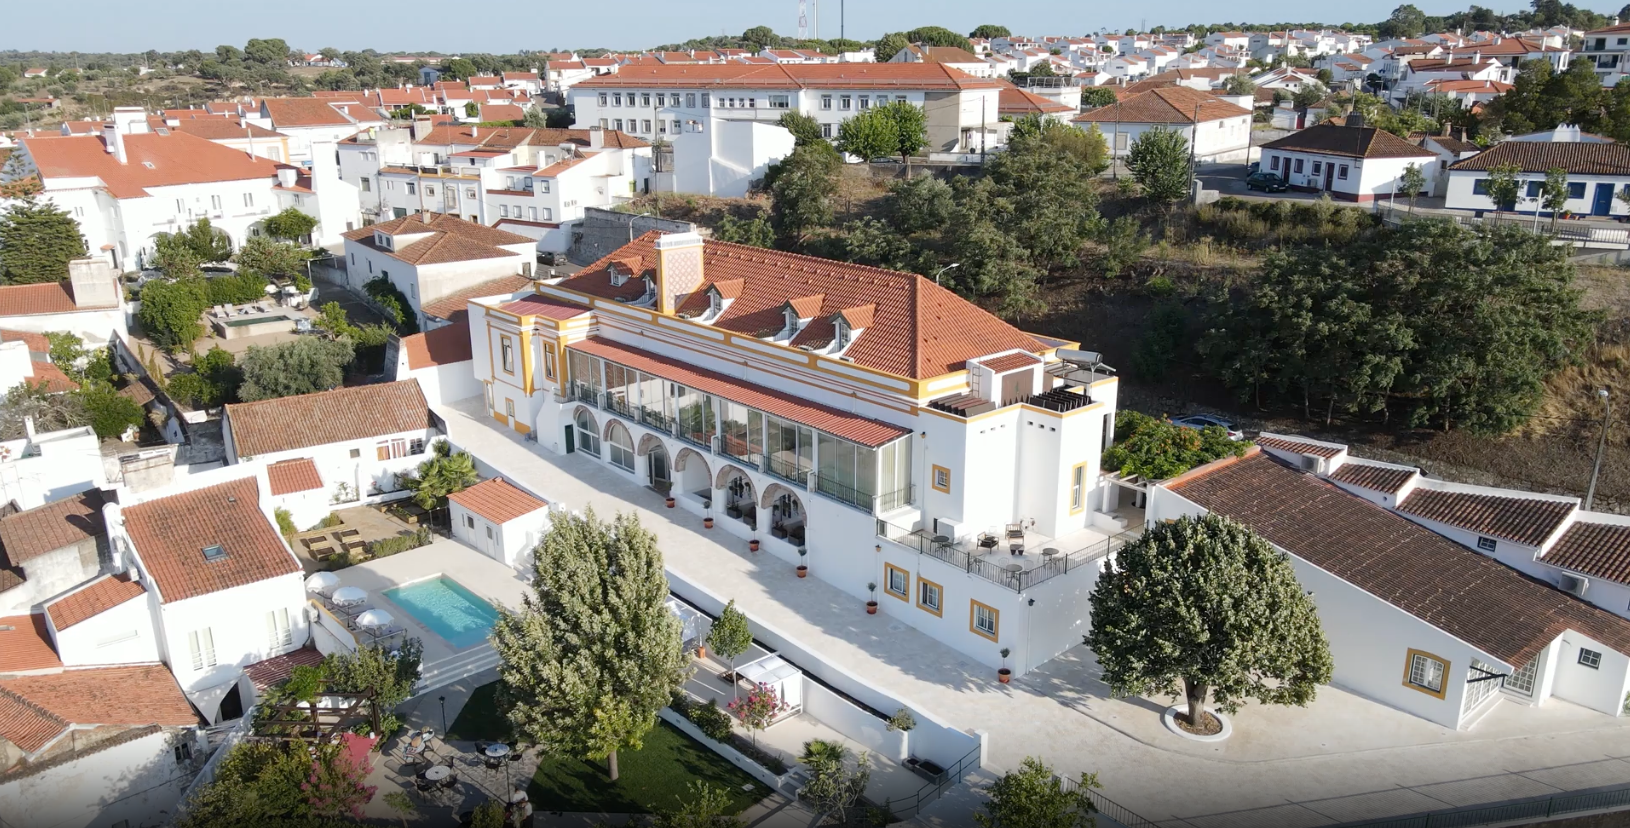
[602, 231]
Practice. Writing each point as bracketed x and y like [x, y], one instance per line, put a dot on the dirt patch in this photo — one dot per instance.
[1209, 724]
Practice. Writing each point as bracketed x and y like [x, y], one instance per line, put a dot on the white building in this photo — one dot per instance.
[777, 395]
[52, 549]
[427, 256]
[499, 520]
[308, 122]
[957, 105]
[348, 444]
[1597, 173]
[1352, 162]
[439, 360]
[1218, 130]
[949, 56]
[1608, 50]
[1466, 633]
[721, 156]
[89, 303]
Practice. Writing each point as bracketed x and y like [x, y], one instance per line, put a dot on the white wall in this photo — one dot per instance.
[96, 327]
[137, 783]
[1367, 179]
[870, 732]
[507, 542]
[121, 635]
[236, 618]
[422, 284]
[1602, 688]
[68, 462]
[369, 477]
[1460, 195]
[444, 384]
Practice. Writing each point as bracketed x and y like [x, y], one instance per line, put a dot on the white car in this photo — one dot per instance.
[1198, 421]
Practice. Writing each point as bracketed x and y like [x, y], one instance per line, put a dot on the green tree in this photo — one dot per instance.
[989, 31]
[472, 110]
[171, 310]
[1034, 797]
[1124, 242]
[391, 673]
[801, 189]
[37, 240]
[870, 242]
[1096, 96]
[1309, 95]
[759, 38]
[1406, 21]
[459, 68]
[257, 783]
[269, 51]
[1046, 194]
[804, 129]
[921, 204]
[1157, 450]
[730, 635]
[938, 36]
[1207, 605]
[890, 45]
[1159, 161]
[536, 118]
[111, 413]
[1239, 85]
[594, 652]
[707, 807]
[264, 258]
[290, 224]
[1504, 187]
[203, 241]
[910, 127]
[446, 472]
[302, 366]
[1412, 182]
[871, 134]
[755, 231]
[1554, 193]
[835, 785]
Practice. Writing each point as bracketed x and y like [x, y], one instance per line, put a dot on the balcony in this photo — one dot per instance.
[989, 556]
[618, 405]
[793, 470]
[656, 419]
[582, 392]
[872, 504]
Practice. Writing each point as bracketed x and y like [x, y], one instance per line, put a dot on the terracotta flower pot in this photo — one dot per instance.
[753, 544]
[669, 503]
[707, 523]
[701, 652]
[1004, 675]
[871, 607]
[803, 571]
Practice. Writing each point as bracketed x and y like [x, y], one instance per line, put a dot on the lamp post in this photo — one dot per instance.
[443, 700]
[942, 270]
[631, 226]
[1601, 444]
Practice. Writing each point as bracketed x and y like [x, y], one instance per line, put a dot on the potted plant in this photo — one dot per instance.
[665, 488]
[752, 545]
[871, 606]
[803, 571]
[1004, 675]
[707, 514]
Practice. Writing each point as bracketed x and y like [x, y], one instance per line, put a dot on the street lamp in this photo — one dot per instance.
[631, 226]
[443, 700]
[1601, 444]
[942, 270]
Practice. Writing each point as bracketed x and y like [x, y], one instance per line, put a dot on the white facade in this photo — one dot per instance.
[425, 283]
[1225, 139]
[1347, 178]
[723, 157]
[1589, 195]
[132, 783]
[351, 469]
[50, 466]
[123, 634]
[508, 542]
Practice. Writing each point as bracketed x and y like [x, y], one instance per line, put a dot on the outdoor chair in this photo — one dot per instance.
[450, 782]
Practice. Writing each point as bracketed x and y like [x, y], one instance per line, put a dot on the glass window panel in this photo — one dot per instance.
[806, 449]
[755, 435]
[866, 471]
[846, 463]
[827, 456]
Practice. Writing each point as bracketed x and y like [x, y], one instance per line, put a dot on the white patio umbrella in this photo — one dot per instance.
[322, 582]
[349, 595]
[374, 618]
[270, 289]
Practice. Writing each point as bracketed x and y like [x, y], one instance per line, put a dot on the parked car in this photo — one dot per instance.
[1266, 182]
[1198, 421]
[1252, 168]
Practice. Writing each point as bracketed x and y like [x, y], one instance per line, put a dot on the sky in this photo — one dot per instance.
[424, 25]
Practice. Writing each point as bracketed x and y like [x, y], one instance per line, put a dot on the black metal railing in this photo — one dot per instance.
[1107, 806]
[1513, 812]
[908, 807]
[582, 392]
[656, 419]
[618, 404]
[897, 499]
[699, 439]
[792, 471]
[843, 493]
[995, 569]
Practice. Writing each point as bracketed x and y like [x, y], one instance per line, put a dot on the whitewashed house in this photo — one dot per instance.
[1608, 49]
[310, 122]
[499, 520]
[1351, 162]
[88, 303]
[721, 156]
[51, 549]
[1219, 130]
[1597, 174]
[438, 359]
[106, 621]
[427, 256]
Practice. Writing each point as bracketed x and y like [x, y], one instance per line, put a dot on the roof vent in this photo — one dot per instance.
[214, 552]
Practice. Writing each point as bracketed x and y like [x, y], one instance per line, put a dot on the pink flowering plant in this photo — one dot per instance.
[335, 787]
[758, 708]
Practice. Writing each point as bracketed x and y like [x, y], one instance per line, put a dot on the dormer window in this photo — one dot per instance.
[383, 240]
[791, 320]
[840, 334]
[617, 276]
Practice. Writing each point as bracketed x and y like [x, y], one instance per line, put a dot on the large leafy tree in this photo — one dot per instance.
[910, 127]
[302, 366]
[1049, 183]
[1504, 186]
[290, 224]
[989, 31]
[1206, 605]
[593, 653]
[871, 134]
[1156, 449]
[1159, 162]
[205, 242]
[1034, 797]
[170, 312]
[37, 240]
[804, 129]
[266, 258]
[801, 189]
[730, 635]
[890, 45]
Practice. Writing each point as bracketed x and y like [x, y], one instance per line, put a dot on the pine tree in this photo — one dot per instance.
[37, 240]
[594, 652]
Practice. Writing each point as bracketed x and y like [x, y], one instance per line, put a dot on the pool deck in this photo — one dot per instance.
[492, 581]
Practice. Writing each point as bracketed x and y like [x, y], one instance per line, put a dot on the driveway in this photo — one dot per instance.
[1341, 759]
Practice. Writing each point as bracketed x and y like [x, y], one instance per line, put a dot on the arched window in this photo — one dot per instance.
[620, 446]
[588, 435]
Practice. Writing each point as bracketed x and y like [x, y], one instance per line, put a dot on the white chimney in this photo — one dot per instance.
[597, 138]
[286, 177]
[115, 142]
[130, 119]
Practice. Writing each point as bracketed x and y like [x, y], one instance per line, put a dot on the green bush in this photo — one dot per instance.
[234, 288]
[386, 547]
[396, 306]
[285, 521]
[331, 521]
[708, 718]
[111, 413]
[1157, 450]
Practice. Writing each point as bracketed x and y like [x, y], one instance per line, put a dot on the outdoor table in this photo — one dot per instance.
[497, 750]
[437, 773]
[1049, 552]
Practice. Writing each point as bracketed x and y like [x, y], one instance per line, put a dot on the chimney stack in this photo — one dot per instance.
[679, 269]
[597, 138]
[115, 142]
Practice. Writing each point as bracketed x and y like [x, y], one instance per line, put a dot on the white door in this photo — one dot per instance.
[492, 544]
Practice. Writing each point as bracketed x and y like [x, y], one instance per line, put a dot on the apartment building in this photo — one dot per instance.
[867, 423]
[1608, 49]
[652, 102]
[309, 122]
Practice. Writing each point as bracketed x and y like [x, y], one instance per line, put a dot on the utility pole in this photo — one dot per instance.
[1601, 444]
[842, 21]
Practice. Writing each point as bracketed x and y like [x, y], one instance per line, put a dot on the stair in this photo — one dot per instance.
[448, 670]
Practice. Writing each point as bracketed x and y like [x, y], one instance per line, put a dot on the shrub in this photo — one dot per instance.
[386, 547]
[396, 306]
[708, 718]
[1157, 450]
[111, 413]
[902, 720]
[331, 521]
[285, 521]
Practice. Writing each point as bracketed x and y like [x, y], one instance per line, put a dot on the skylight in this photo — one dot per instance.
[214, 552]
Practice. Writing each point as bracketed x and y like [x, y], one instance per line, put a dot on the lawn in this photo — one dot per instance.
[653, 777]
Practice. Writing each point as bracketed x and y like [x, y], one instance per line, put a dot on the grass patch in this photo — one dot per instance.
[653, 777]
[480, 720]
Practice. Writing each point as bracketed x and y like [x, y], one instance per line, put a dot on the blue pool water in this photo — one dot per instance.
[447, 609]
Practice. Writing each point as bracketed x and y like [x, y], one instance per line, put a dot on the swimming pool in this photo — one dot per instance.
[446, 608]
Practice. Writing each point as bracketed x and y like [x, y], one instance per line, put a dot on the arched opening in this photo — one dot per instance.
[619, 446]
[588, 432]
[694, 476]
[786, 513]
[658, 466]
[740, 498]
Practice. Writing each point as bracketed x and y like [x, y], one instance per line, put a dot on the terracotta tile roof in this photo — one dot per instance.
[1471, 596]
[1600, 550]
[1454, 145]
[223, 129]
[443, 346]
[103, 594]
[545, 306]
[502, 112]
[171, 533]
[32, 300]
[1296, 446]
[945, 54]
[1384, 479]
[139, 392]
[1010, 362]
[1166, 105]
[337, 416]
[497, 500]
[449, 239]
[919, 329]
[139, 695]
[852, 427]
[44, 529]
[310, 112]
[1349, 142]
[792, 76]
[1016, 101]
[1490, 86]
[564, 164]
[1577, 157]
[455, 307]
[51, 378]
[275, 670]
[153, 160]
[1617, 29]
[25, 644]
[1525, 520]
[295, 475]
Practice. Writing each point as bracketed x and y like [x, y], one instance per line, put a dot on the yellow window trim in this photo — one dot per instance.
[888, 568]
[503, 342]
[995, 614]
[937, 613]
[934, 477]
[1409, 661]
[1077, 508]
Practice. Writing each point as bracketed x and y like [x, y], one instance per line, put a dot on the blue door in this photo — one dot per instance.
[1604, 200]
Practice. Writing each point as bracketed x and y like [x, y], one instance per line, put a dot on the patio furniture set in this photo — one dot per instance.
[322, 547]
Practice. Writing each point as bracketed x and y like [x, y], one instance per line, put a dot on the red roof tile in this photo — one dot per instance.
[153, 161]
[1296, 446]
[313, 112]
[340, 415]
[32, 300]
[497, 500]
[171, 534]
[442, 346]
[266, 673]
[36, 342]
[1525, 520]
[103, 594]
[139, 695]
[25, 644]
[1384, 479]
[1166, 105]
[545, 306]
[852, 427]
[448, 238]
[43, 529]
[1601, 550]
[1016, 101]
[1011, 362]
[454, 307]
[51, 379]
[792, 76]
[290, 476]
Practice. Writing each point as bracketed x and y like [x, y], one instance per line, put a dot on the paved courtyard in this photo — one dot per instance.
[1342, 759]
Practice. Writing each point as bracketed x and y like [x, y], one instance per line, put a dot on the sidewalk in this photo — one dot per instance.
[1343, 759]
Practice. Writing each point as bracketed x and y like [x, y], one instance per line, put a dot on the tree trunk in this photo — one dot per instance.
[611, 765]
[1196, 694]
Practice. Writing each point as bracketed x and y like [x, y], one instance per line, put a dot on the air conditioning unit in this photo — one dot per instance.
[1573, 584]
